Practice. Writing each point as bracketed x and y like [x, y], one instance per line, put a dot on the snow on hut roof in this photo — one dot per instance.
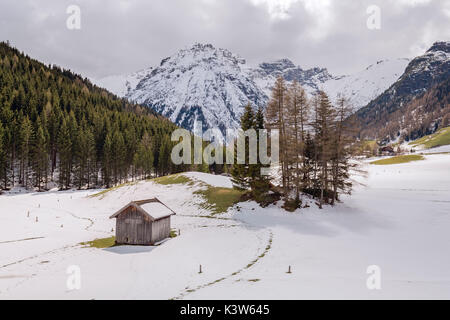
[157, 210]
[153, 208]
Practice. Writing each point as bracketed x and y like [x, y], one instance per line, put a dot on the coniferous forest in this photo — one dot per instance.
[59, 130]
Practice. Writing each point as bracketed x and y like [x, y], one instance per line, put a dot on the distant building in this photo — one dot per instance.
[386, 151]
[143, 222]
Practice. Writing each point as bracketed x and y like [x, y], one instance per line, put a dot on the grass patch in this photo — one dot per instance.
[437, 139]
[173, 233]
[219, 200]
[398, 159]
[100, 243]
[173, 179]
[104, 192]
[166, 180]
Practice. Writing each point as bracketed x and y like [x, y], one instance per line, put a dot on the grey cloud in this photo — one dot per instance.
[124, 36]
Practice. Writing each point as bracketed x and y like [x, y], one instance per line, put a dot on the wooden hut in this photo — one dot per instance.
[143, 222]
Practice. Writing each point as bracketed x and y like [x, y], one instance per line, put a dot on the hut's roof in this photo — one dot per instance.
[152, 208]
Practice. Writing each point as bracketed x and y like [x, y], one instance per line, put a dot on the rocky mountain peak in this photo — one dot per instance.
[443, 46]
[277, 65]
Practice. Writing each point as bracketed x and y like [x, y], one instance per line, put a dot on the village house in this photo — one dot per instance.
[386, 151]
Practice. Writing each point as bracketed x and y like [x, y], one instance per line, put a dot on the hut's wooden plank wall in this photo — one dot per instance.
[133, 227]
[160, 229]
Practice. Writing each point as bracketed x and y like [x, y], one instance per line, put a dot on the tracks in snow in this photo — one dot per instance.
[38, 255]
[20, 240]
[248, 266]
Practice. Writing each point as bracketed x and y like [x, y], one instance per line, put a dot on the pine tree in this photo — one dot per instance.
[3, 155]
[40, 157]
[118, 157]
[65, 155]
[164, 156]
[26, 132]
[8, 146]
[108, 155]
[91, 154]
[143, 158]
[259, 183]
[240, 172]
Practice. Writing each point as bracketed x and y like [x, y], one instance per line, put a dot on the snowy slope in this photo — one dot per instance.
[122, 85]
[244, 253]
[364, 86]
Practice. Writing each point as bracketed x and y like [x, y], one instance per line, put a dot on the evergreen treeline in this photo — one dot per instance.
[58, 127]
[316, 144]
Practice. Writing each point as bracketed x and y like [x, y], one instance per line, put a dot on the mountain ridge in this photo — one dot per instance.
[212, 85]
[422, 74]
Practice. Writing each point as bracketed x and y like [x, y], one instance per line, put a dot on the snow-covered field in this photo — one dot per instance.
[399, 220]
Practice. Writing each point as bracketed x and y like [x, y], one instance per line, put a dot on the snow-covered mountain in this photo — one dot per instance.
[122, 85]
[416, 102]
[212, 85]
[201, 83]
[364, 86]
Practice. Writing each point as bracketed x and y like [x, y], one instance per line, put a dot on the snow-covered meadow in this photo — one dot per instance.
[398, 220]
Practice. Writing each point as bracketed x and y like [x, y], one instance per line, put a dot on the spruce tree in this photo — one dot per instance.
[259, 184]
[240, 172]
[8, 145]
[143, 158]
[26, 132]
[118, 157]
[65, 155]
[108, 156]
[3, 154]
[91, 154]
[40, 157]
[164, 156]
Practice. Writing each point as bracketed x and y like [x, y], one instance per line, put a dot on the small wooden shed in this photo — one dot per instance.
[143, 222]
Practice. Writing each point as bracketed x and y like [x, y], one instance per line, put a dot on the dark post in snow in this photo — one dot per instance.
[200, 271]
[289, 270]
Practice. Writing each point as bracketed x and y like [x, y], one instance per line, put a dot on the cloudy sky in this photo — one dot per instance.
[122, 36]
